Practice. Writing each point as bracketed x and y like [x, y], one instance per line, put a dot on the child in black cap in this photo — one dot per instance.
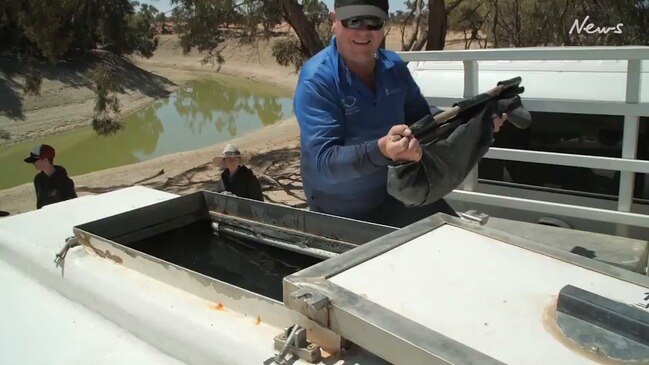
[52, 183]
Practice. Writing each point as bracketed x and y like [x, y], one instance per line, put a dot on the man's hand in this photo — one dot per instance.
[400, 145]
[411, 154]
[499, 121]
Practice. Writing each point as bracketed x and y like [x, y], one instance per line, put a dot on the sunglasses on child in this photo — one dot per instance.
[371, 22]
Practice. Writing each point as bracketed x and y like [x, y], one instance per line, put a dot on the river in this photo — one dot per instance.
[200, 114]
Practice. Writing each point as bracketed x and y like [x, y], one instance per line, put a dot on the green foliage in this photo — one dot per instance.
[161, 17]
[204, 24]
[200, 26]
[633, 14]
[58, 29]
[43, 25]
[33, 80]
[533, 23]
[271, 15]
[316, 11]
[105, 120]
[140, 34]
[468, 16]
[288, 50]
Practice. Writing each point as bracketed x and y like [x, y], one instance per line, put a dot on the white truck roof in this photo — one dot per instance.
[97, 311]
[576, 80]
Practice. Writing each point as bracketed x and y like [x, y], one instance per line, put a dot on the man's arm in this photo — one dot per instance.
[321, 131]
[416, 105]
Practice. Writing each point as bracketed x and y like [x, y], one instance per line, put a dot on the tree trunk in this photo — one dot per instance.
[494, 29]
[416, 21]
[420, 43]
[304, 29]
[437, 24]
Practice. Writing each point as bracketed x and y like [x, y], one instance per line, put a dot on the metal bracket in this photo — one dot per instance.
[70, 242]
[293, 341]
[313, 299]
[311, 303]
[475, 217]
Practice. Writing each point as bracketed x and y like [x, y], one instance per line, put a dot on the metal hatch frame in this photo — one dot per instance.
[388, 334]
[101, 238]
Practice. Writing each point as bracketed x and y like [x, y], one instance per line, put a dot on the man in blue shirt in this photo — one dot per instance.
[354, 103]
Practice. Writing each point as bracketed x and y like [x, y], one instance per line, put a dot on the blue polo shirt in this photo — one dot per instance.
[341, 120]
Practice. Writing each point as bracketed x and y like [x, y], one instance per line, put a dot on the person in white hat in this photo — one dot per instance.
[237, 178]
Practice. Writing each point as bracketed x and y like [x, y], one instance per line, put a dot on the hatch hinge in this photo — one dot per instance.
[293, 341]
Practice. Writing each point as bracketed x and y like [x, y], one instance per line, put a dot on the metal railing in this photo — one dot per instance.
[632, 109]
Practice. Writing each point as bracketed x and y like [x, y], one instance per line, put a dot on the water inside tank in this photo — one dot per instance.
[249, 265]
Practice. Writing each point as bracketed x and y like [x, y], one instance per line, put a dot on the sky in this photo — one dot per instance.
[163, 5]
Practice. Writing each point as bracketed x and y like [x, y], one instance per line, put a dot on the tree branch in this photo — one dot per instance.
[453, 5]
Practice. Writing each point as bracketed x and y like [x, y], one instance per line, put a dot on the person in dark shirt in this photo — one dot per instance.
[52, 183]
[237, 178]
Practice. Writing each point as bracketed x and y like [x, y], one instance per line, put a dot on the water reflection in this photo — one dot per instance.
[203, 113]
[200, 104]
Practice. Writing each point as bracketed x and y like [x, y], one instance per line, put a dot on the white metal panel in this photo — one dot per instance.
[180, 324]
[563, 106]
[39, 326]
[585, 212]
[587, 66]
[534, 53]
[567, 80]
[568, 159]
[494, 297]
[630, 137]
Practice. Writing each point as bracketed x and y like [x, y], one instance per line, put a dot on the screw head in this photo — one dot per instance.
[311, 347]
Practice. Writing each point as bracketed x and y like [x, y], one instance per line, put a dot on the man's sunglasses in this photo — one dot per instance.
[371, 22]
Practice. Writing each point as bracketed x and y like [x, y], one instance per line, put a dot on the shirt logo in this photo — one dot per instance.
[392, 91]
[349, 104]
[349, 101]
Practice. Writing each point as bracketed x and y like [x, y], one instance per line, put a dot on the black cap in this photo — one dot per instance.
[346, 9]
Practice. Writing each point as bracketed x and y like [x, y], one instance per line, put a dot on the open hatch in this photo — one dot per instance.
[444, 290]
[225, 240]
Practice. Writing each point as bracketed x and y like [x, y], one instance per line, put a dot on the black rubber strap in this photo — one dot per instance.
[620, 318]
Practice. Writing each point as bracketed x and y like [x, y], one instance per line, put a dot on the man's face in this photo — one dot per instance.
[358, 39]
[232, 162]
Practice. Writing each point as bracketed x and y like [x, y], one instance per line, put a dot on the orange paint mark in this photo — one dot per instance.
[218, 307]
[258, 321]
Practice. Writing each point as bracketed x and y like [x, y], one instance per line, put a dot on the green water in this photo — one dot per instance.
[201, 114]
